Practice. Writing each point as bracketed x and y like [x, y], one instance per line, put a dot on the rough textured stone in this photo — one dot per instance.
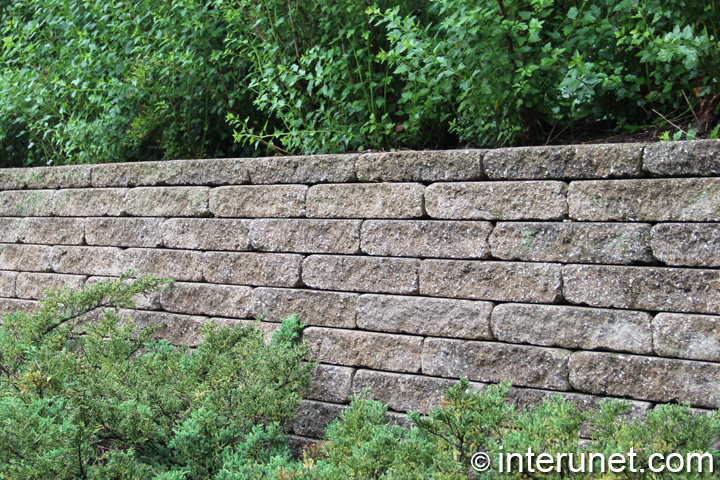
[102, 261]
[206, 234]
[425, 316]
[141, 301]
[572, 242]
[305, 235]
[324, 309]
[75, 176]
[399, 353]
[176, 172]
[424, 166]
[687, 336]
[643, 288]
[261, 269]
[494, 362]
[373, 200]
[12, 305]
[180, 265]
[646, 378]
[12, 178]
[573, 327]
[10, 229]
[311, 418]
[299, 444]
[538, 200]
[33, 286]
[500, 281]
[565, 162]
[405, 393]
[52, 231]
[177, 329]
[687, 244]
[361, 274]
[331, 383]
[697, 158]
[7, 284]
[646, 200]
[90, 202]
[167, 201]
[24, 203]
[27, 258]
[254, 201]
[124, 232]
[207, 299]
[305, 169]
[423, 238]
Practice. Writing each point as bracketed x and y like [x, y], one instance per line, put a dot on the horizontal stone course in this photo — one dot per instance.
[14, 305]
[687, 336]
[90, 202]
[331, 383]
[325, 309]
[10, 228]
[687, 244]
[253, 269]
[372, 200]
[227, 301]
[423, 166]
[305, 235]
[206, 234]
[255, 201]
[361, 274]
[26, 258]
[102, 261]
[7, 284]
[69, 176]
[33, 286]
[52, 231]
[27, 203]
[124, 232]
[310, 169]
[175, 172]
[167, 201]
[689, 158]
[312, 417]
[180, 265]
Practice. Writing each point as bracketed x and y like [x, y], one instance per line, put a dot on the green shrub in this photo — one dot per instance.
[86, 394]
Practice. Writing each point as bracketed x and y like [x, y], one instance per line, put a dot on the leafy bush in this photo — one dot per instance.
[85, 394]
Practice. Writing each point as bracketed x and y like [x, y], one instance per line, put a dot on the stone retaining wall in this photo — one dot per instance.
[586, 271]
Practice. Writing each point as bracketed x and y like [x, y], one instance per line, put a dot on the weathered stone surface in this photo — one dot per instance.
[33, 286]
[564, 162]
[298, 445]
[10, 229]
[12, 305]
[101, 261]
[124, 232]
[646, 378]
[305, 235]
[267, 328]
[500, 281]
[76, 176]
[177, 329]
[24, 203]
[323, 309]
[687, 244]
[573, 327]
[180, 265]
[405, 393]
[52, 231]
[7, 284]
[643, 288]
[352, 348]
[572, 242]
[167, 201]
[331, 383]
[12, 178]
[425, 166]
[525, 398]
[494, 362]
[687, 336]
[426, 238]
[646, 200]
[253, 201]
[532, 200]
[425, 316]
[312, 418]
[306, 169]
[697, 158]
[27, 258]
[90, 202]
[206, 234]
[141, 301]
[207, 299]
[372, 200]
[176, 172]
[361, 274]
[261, 269]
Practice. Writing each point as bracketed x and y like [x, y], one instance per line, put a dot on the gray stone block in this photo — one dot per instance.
[423, 238]
[167, 202]
[323, 309]
[687, 244]
[7, 284]
[207, 299]
[425, 316]
[568, 242]
[564, 162]
[331, 383]
[140, 301]
[25, 258]
[573, 327]
[305, 169]
[423, 166]
[699, 158]
[646, 200]
[10, 229]
[253, 201]
[695, 337]
[90, 202]
[255, 269]
[646, 378]
[52, 231]
[12, 305]
[494, 362]
[27, 203]
[531, 200]
[312, 418]
[361, 274]
[175, 172]
[372, 200]
[643, 288]
[352, 348]
[206, 234]
[180, 265]
[305, 235]
[495, 281]
[102, 261]
[183, 330]
[124, 232]
[34, 286]
[72, 176]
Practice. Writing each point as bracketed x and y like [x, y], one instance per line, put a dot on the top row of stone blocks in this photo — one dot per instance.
[695, 158]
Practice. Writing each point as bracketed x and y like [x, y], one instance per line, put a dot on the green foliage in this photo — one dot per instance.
[86, 394]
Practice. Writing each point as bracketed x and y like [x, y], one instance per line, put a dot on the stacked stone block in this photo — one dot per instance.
[589, 272]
